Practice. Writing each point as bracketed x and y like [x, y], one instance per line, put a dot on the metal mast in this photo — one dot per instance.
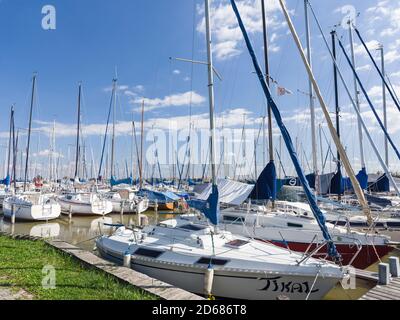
[113, 126]
[78, 132]
[210, 91]
[337, 107]
[267, 77]
[384, 104]
[311, 95]
[29, 131]
[357, 99]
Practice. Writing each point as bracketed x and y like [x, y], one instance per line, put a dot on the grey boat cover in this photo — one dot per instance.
[230, 192]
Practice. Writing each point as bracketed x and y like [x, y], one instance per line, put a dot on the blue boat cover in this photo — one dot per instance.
[380, 185]
[161, 197]
[115, 182]
[311, 180]
[209, 207]
[362, 178]
[319, 216]
[337, 183]
[6, 181]
[265, 188]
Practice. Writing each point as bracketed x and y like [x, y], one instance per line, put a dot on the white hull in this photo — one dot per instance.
[31, 212]
[100, 208]
[235, 284]
[130, 206]
[178, 252]
[88, 204]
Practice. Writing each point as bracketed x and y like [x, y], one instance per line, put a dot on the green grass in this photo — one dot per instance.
[22, 262]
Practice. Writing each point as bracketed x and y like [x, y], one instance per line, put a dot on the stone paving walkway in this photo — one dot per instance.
[13, 293]
[9, 294]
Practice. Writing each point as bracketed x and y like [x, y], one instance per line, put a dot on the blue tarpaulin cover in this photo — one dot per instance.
[209, 207]
[265, 188]
[6, 181]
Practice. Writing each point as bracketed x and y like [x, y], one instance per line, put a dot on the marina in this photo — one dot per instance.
[185, 196]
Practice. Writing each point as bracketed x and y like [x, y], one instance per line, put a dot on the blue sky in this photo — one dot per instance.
[93, 37]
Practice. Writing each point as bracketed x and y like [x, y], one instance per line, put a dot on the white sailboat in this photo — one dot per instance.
[31, 207]
[84, 204]
[81, 203]
[180, 253]
[129, 201]
[26, 205]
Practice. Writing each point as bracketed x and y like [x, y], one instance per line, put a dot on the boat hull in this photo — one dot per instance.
[168, 206]
[32, 212]
[233, 284]
[364, 259]
[85, 209]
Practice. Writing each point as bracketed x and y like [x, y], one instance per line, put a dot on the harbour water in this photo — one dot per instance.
[82, 232]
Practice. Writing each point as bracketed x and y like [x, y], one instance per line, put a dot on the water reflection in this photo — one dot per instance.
[80, 231]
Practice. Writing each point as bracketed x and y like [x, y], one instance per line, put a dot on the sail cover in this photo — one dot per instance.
[161, 197]
[337, 183]
[230, 192]
[209, 207]
[380, 185]
[362, 178]
[115, 182]
[265, 188]
[6, 181]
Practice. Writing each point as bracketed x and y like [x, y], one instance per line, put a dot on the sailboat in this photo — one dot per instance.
[123, 199]
[82, 203]
[6, 183]
[206, 260]
[30, 206]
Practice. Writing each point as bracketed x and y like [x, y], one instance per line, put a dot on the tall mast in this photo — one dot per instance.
[337, 107]
[113, 126]
[311, 96]
[267, 77]
[78, 132]
[141, 150]
[15, 155]
[29, 131]
[132, 146]
[10, 140]
[210, 92]
[384, 103]
[357, 99]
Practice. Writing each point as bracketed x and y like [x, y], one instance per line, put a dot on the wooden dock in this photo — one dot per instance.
[367, 275]
[390, 291]
[158, 288]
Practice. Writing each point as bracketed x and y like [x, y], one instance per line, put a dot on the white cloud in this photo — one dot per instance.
[119, 88]
[225, 30]
[46, 153]
[392, 56]
[364, 68]
[174, 100]
[371, 45]
[176, 71]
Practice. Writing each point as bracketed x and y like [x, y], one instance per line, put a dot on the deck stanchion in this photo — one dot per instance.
[394, 266]
[13, 214]
[127, 259]
[384, 275]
